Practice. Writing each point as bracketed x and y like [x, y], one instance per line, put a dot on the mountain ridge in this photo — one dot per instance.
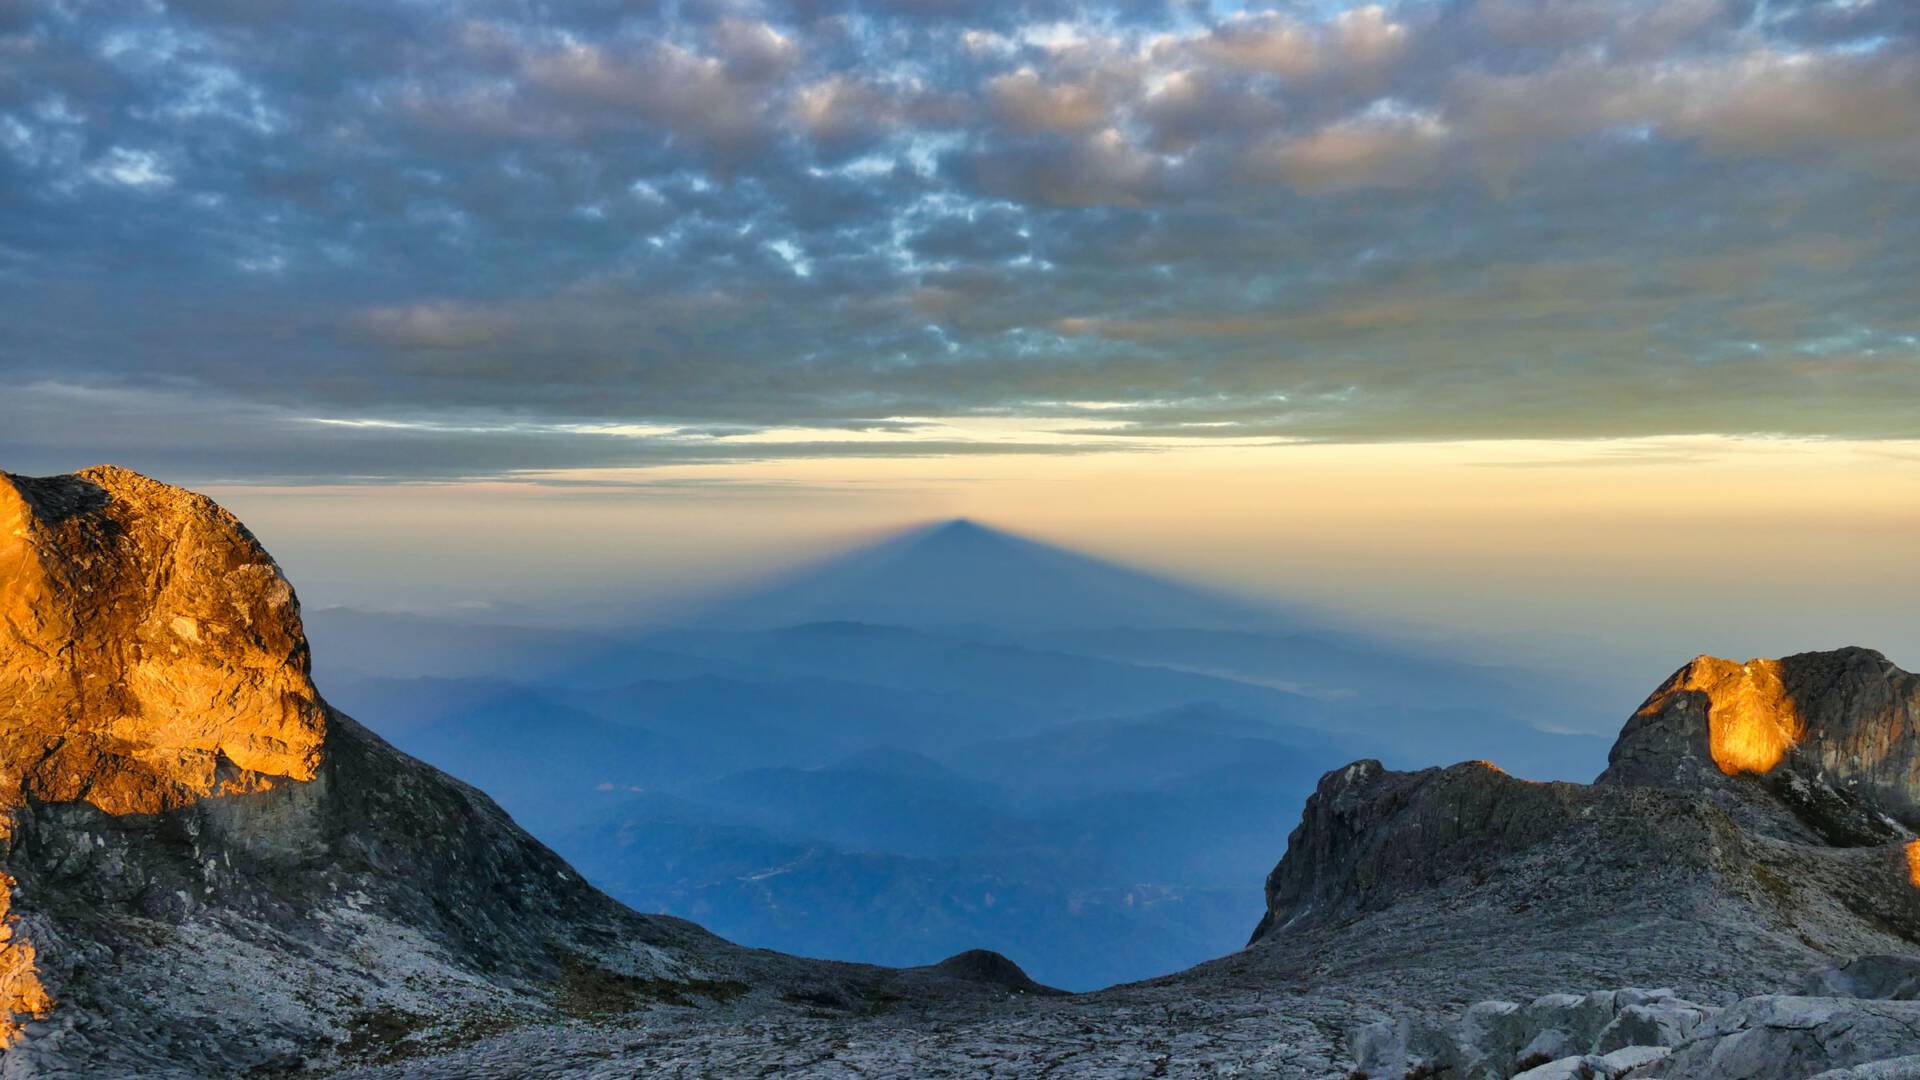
[248, 882]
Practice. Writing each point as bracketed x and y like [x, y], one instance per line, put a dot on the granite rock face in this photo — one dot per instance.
[1785, 772]
[1832, 734]
[1889, 978]
[1653, 1033]
[150, 655]
[150, 651]
[1755, 824]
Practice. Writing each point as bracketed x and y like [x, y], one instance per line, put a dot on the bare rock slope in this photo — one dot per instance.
[209, 872]
[1688, 916]
[1757, 822]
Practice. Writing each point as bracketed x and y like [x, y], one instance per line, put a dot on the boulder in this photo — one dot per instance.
[1900, 1068]
[1790, 1038]
[1619, 1065]
[1601, 1034]
[1665, 1022]
[1888, 978]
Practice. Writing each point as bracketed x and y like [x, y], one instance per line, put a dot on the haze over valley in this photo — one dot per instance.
[952, 737]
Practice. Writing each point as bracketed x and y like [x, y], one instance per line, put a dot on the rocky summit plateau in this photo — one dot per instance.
[209, 872]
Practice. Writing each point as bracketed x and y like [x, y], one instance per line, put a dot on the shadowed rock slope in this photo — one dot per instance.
[1778, 797]
[1756, 823]
[209, 872]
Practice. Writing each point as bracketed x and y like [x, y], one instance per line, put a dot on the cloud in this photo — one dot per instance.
[1027, 104]
[1368, 221]
[430, 326]
[1384, 147]
[1354, 44]
[1759, 102]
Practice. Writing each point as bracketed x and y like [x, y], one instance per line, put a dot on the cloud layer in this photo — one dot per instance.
[497, 235]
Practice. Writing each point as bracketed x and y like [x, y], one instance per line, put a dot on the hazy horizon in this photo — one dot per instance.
[1626, 556]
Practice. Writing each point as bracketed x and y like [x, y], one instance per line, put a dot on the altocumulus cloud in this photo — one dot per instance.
[443, 239]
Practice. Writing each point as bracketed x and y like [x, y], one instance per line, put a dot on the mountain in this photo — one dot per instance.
[1106, 751]
[207, 871]
[1737, 898]
[1757, 820]
[1135, 754]
[960, 583]
[963, 574]
[211, 872]
[1032, 687]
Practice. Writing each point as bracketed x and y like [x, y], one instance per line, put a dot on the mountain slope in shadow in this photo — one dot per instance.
[960, 574]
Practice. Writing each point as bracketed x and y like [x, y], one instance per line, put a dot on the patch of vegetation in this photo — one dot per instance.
[818, 999]
[381, 1034]
[589, 991]
[1773, 884]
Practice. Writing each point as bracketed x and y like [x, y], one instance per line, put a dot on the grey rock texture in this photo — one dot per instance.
[1900, 1068]
[1651, 1033]
[1626, 1062]
[1602, 1033]
[1788, 1038]
[1891, 978]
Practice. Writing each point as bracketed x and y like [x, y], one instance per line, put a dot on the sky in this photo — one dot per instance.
[1518, 312]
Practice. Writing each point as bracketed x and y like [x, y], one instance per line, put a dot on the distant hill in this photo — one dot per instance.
[953, 707]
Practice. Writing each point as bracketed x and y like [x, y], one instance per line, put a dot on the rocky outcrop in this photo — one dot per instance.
[151, 653]
[1833, 735]
[1786, 1038]
[1888, 978]
[1755, 823]
[1606, 1033]
[1731, 769]
[1621, 1034]
[1369, 834]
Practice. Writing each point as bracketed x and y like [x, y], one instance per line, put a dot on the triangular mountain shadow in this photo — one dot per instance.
[960, 573]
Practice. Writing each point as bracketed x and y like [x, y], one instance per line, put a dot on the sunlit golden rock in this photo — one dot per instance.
[1752, 720]
[1833, 736]
[150, 650]
[21, 992]
[151, 654]
[1913, 863]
